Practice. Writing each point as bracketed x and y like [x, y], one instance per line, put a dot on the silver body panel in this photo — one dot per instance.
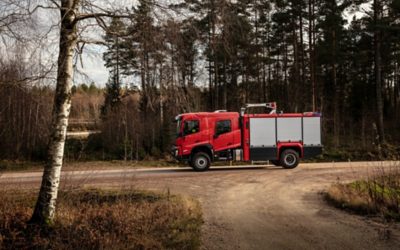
[262, 132]
[289, 129]
[311, 131]
[266, 132]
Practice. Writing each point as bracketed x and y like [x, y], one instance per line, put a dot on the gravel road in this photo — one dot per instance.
[254, 207]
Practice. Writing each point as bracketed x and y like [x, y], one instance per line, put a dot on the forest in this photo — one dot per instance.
[339, 58]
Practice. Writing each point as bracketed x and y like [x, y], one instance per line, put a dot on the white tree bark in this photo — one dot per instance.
[45, 206]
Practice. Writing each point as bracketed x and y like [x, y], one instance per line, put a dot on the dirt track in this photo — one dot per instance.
[255, 207]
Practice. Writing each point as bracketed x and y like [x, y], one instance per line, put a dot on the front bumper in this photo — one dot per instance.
[175, 153]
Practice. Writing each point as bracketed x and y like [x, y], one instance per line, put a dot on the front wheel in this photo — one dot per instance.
[200, 161]
[289, 159]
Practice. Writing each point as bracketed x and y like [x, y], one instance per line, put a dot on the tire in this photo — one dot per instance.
[200, 161]
[275, 162]
[289, 159]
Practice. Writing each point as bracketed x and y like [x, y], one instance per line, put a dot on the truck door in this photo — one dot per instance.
[191, 135]
[223, 135]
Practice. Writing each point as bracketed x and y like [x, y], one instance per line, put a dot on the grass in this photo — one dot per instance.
[102, 219]
[378, 195]
[9, 165]
[352, 153]
[12, 166]
[120, 164]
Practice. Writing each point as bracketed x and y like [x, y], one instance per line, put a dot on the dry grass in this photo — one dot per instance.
[10, 166]
[15, 165]
[103, 219]
[379, 194]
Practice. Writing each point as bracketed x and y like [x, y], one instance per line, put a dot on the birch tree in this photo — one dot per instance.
[72, 12]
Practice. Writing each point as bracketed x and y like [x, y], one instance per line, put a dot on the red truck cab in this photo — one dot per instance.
[206, 133]
[282, 139]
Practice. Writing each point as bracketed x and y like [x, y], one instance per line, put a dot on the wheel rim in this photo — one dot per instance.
[290, 159]
[201, 162]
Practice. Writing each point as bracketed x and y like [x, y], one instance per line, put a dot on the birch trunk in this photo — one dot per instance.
[45, 206]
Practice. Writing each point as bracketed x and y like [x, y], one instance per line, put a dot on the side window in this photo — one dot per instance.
[191, 127]
[223, 127]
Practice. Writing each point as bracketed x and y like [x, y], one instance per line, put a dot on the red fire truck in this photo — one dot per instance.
[272, 136]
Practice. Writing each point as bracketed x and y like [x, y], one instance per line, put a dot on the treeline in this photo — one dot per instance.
[220, 54]
[25, 113]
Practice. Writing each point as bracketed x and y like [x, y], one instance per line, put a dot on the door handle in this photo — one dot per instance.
[196, 141]
[230, 143]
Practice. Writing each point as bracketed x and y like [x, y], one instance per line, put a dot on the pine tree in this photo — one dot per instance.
[331, 60]
[112, 95]
[113, 58]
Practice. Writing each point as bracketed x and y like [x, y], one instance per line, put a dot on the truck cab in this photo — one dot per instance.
[206, 136]
[272, 136]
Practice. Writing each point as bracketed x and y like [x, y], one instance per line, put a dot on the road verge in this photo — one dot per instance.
[376, 195]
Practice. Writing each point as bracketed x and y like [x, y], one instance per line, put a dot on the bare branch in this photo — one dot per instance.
[85, 41]
[99, 15]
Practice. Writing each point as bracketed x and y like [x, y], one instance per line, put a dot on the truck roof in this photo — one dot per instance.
[236, 114]
[211, 114]
[305, 114]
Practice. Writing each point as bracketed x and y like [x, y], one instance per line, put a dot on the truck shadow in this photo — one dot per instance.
[223, 168]
[234, 168]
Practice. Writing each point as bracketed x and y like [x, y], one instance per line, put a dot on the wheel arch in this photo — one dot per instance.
[297, 148]
[206, 148]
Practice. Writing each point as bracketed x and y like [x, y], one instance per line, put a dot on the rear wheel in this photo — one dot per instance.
[289, 159]
[200, 161]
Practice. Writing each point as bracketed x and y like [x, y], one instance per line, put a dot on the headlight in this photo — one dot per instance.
[176, 152]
